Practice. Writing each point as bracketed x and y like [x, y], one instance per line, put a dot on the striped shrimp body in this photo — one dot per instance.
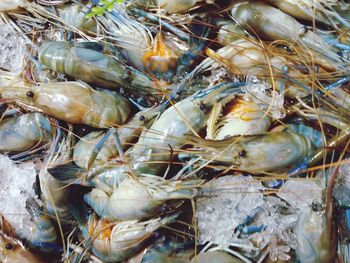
[253, 153]
[21, 133]
[73, 102]
[86, 62]
[236, 116]
[265, 21]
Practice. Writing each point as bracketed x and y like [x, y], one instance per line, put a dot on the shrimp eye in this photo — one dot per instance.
[9, 246]
[30, 94]
[202, 107]
[243, 153]
[142, 118]
[305, 29]
[316, 207]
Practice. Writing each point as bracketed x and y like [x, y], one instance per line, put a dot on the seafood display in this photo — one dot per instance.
[175, 131]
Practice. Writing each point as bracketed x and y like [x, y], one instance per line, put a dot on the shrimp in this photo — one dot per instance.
[246, 57]
[55, 194]
[42, 233]
[172, 53]
[87, 63]
[253, 153]
[73, 102]
[169, 6]
[117, 241]
[265, 21]
[124, 202]
[74, 16]
[322, 11]
[21, 133]
[161, 61]
[215, 256]
[240, 117]
[11, 249]
[168, 250]
[85, 147]
[179, 6]
[133, 38]
[150, 154]
[316, 230]
[313, 242]
[229, 32]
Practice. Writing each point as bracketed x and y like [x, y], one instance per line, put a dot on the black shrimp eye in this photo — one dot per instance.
[316, 207]
[9, 246]
[30, 94]
[142, 118]
[305, 29]
[243, 153]
[202, 107]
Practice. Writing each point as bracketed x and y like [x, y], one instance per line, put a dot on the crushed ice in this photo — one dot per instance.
[12, 49]
[235, 198]
[226, 204]
[16, 187]
[260, 92]
[300, 193]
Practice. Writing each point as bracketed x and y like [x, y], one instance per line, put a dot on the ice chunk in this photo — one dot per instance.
[260, 92]
[226, 204]
[16, 186]
[12, 49]
[300, 192]
[279, 219]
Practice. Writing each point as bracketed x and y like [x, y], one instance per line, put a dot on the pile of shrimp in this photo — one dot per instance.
[178, 131]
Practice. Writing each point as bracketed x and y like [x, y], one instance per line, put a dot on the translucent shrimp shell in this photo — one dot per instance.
[73, 102]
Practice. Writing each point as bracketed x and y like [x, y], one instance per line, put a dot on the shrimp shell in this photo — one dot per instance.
[73, 102]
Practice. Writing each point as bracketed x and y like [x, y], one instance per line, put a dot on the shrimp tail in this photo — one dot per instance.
[68, 173]
[44, 238]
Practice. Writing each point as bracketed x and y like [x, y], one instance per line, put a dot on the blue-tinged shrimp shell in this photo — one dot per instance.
[92, 66]
[21, 133]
